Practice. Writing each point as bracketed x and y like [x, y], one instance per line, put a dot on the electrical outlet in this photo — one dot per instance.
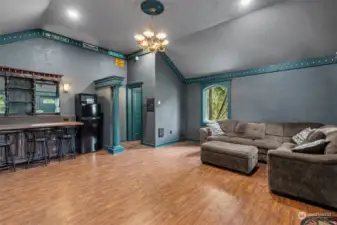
[160, 132]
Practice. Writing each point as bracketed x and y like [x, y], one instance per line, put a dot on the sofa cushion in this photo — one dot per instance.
[235, 135]
[255, 130]
[267, 144]
[331, 148]
[316, 147]
[273, 138]
[234, 140]
[227, 125]
[275, 129]
[287, 146]
[240, 127]
[290, 129]
[286, 139]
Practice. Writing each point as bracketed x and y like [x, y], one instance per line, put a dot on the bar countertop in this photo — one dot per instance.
[38, 125]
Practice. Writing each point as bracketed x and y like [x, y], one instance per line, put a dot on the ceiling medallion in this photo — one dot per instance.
[149, 40]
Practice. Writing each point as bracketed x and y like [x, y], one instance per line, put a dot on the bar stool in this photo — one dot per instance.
[67, 135]
[5, 146]
[34, 137]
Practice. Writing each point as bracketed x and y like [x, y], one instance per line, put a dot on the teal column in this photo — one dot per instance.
[116, 147]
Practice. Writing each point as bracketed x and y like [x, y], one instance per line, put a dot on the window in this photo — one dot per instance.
[2, 103]
[215, 102]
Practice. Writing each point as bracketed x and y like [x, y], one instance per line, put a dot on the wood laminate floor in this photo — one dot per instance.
[147, 186]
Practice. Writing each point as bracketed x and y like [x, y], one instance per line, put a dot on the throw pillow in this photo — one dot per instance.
[215, 129]
[240, 127]
[227, 125]
[315, 135]
[316, 147]
[301, 136]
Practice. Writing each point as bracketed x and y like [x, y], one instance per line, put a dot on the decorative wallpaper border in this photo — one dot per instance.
[322, 61]
[314, 62]
[172, 66]
[40, 33]
[137, 53]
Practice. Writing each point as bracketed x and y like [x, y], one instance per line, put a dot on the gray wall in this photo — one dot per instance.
[193, 116]
[305, 95]
[79, 67]
[143, 70]
[104, 98]
[170, 91]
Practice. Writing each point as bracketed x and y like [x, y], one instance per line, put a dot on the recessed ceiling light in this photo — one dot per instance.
[73, 14]
[245, 2]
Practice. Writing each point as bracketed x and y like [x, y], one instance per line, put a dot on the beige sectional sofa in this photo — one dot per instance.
[264, 136]
[311, 177]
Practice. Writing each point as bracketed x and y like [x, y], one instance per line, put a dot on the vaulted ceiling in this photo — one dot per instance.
[206, 37]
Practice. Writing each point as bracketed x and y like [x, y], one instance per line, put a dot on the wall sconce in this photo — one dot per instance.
[66, 87]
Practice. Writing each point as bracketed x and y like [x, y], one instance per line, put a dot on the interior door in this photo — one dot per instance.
[136, 114]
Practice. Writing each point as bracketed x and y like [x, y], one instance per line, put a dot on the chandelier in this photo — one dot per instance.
[150, 40]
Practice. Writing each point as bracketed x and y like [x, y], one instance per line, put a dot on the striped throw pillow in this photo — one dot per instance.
[301, 136]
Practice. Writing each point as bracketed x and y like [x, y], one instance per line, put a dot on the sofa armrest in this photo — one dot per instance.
[302, 157]
[304, 176]
[204, 134]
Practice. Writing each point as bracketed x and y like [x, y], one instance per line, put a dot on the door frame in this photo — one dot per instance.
[129, 116]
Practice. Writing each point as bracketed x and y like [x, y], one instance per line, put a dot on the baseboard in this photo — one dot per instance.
[170, 143]
[163, 144]
[150, 145]
[192, 140]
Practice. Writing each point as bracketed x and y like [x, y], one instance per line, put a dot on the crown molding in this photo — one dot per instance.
[138, 53]
[322, 61]
[173, 67]
[40, 33]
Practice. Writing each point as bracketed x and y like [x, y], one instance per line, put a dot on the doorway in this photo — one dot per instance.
[134, 112]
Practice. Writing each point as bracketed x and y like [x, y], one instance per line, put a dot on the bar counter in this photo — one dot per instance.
[39, 125]
[19, 146]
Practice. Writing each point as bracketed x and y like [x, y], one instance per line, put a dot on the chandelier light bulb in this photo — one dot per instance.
[139, 37]
[144, 43]
[148, 34]
[165, 42]
[161, 36]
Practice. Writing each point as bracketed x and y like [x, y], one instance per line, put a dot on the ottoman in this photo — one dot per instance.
[241, 158]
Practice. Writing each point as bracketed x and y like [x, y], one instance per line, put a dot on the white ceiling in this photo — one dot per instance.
[113, 23]
[290, 31]
[207, 36]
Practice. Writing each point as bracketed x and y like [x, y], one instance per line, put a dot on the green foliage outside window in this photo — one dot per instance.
[2, 104]
[216, 103]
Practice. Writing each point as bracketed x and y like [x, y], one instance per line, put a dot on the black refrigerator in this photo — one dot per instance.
[88, 111]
